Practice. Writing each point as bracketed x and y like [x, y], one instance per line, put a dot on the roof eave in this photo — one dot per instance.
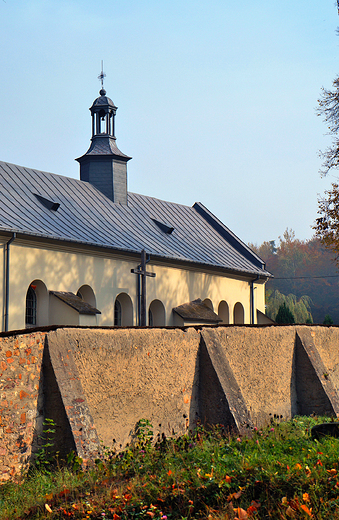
[264, 275]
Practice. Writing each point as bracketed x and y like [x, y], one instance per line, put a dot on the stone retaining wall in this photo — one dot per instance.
[21, 412]
[123, 375]
[97, 383]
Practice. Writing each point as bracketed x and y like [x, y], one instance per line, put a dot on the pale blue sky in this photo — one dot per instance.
[216, 98]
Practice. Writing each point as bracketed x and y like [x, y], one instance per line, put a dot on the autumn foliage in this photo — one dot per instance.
[306, 273]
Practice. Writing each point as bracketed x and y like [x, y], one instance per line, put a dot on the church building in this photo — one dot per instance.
[88, 252]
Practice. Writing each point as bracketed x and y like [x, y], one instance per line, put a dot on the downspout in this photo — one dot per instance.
[139, 298]
[252, 297]
[7, 279]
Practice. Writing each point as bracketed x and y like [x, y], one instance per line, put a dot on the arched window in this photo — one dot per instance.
[223, 312]
[123, 310]
[102, 122]
[156, 314]
[208, 303]
[117, 313]
[37, 305]
[238, 314]
[86, 293]
[31, 307]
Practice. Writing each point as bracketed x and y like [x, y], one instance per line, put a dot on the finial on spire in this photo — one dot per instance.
[101, 76]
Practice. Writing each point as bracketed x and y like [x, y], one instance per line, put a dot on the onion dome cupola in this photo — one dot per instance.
[104, 165]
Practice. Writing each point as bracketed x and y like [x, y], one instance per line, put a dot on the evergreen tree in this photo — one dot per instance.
[284, 315]
[328, 320]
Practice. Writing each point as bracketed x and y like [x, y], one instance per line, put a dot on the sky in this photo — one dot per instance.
[216, 99]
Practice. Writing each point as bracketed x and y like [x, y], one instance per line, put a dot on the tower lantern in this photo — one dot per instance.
[103, 113]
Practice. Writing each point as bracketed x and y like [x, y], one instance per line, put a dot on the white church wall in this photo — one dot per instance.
[108, 275]
[60, 313]
[174, 286]
[67, 270]
[88, 320]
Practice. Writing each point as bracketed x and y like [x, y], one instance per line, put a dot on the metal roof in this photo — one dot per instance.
[86, 216]
[104, 146]
[103, 100]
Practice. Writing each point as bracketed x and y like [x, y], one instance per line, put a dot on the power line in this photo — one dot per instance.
[307, 277]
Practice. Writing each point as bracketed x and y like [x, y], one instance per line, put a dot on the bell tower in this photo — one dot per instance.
[104, 165]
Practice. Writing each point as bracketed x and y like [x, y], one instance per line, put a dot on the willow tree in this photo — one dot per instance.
[299, 308]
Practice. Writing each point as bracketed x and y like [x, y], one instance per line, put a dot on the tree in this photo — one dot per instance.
[329, 109]
[300, 309]
[328, 320]
[327, 224]
[284, 315]
[300, 268]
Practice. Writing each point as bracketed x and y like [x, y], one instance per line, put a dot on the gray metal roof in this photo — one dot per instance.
[104, 146]
[86, 216]
[103, 100]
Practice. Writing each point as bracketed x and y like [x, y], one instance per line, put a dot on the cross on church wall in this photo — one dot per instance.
[142, 275]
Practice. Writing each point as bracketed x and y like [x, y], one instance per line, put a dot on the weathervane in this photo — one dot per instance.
[102, 75]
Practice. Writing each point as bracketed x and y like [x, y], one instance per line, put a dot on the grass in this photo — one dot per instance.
[278, 472]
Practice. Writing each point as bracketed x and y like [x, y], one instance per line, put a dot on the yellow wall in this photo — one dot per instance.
[108, 276]
[61, 312]
[2, 285]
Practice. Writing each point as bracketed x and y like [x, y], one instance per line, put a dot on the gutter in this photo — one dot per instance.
[7, 281]
[252, 297]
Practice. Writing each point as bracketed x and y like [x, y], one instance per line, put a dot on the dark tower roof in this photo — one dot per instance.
[103, 100]
[103, 146]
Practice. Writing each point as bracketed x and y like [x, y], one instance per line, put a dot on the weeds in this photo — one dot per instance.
[44, 459]
[278, 472]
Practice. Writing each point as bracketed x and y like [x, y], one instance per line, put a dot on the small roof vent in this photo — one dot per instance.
[49, 204]
[164, 227]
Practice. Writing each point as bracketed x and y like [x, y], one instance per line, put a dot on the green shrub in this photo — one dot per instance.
[284, 315]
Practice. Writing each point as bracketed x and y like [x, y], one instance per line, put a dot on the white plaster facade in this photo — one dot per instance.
[102, 277]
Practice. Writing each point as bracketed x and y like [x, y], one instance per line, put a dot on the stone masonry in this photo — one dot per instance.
[21, 412]
[96, 383]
